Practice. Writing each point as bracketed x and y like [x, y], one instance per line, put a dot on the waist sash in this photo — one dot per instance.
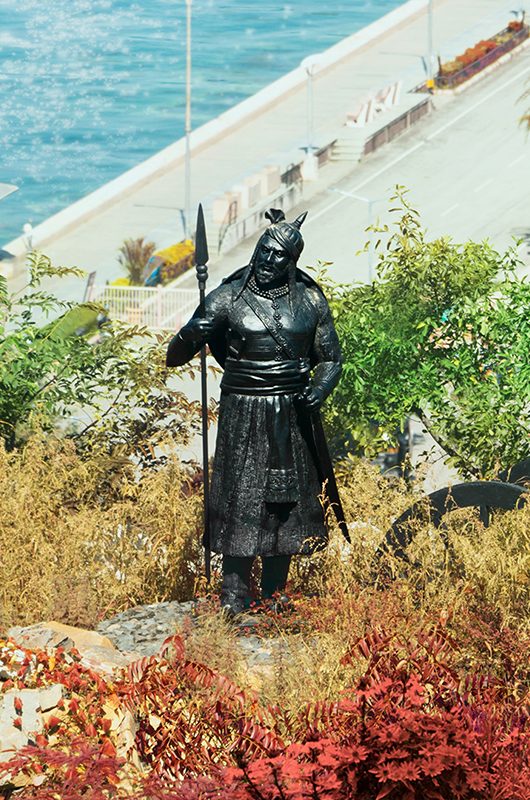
[263, 377]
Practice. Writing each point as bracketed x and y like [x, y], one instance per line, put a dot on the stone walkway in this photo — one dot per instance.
[142, 630]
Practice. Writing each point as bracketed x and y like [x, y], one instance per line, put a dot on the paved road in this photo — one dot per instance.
[468, 171]
[467, 168]
[397, 55]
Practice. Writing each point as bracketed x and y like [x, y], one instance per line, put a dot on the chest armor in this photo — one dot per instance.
[249, 338]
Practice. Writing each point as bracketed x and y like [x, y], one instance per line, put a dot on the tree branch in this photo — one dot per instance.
[96, 421]
[427, 424]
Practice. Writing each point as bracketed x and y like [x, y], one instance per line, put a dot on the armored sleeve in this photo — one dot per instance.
[326, 356]
[216, 307]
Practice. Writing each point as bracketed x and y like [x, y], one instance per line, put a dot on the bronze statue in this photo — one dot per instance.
[269, 326]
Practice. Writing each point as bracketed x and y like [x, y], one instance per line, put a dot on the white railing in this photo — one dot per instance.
[158, 309]
[234, 231]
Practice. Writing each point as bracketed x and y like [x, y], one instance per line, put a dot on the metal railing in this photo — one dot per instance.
[397, 126]
[285, 198]
[158, 309]
[229, 220]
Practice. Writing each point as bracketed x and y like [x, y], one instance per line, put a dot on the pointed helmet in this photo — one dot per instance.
[285, 233]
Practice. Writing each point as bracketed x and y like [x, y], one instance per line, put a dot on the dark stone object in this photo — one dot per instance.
[484, 495]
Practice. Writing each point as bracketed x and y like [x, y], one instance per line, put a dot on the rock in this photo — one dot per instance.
[17, 727]
[124, 728]
[261, 657]
[47, 635]
[105, 660]
[143, 629]
[23, 713]
[49, 696]
[96, 651]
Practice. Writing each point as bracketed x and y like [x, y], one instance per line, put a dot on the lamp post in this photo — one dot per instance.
[430, 54]
[309, 64]
[370, 203]
[187, 128]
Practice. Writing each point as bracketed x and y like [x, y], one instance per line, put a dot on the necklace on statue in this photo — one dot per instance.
[272, 294]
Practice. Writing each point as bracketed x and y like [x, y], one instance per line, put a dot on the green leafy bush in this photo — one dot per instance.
[109, 393]
[443, 332]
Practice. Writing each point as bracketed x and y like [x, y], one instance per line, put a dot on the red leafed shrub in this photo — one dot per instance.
[81, 769]
[192, 719]
[85, 771]
[410, 729]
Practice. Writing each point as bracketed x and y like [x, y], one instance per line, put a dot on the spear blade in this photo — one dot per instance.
[201, 260]
[201, 243]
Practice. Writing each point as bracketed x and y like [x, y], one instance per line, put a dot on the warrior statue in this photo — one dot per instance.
[269, 326]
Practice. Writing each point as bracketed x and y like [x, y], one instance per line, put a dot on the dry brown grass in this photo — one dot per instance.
[212, 639]
[80, 540]
[478, 588]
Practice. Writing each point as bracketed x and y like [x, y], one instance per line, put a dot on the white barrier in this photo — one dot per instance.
[158, 309]
[212, 131]
[369, 107]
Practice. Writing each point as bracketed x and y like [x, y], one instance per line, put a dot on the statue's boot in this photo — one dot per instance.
[274, 573]
[235, 589]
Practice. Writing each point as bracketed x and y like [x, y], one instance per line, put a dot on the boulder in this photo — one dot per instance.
[124, 728]
[47, 635]
[22, 715]
[105, 660]
[97, 652]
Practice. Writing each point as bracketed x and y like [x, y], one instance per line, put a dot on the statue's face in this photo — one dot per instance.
[271, 264]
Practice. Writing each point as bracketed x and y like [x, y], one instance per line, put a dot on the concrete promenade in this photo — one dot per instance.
[467, 164]
[151, 207]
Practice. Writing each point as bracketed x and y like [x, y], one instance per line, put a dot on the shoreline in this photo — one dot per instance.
[212, 131]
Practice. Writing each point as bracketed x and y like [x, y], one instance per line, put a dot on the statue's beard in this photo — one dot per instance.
[269, 278]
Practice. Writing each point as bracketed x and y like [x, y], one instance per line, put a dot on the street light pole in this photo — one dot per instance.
[187, 167]
[309, 64]
[370, 203]
[430, 53]
[310, 121]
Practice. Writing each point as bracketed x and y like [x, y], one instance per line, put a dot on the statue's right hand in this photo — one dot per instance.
[196, 330]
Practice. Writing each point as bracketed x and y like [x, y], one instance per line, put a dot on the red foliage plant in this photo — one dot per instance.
[409, 728]
[192, 719]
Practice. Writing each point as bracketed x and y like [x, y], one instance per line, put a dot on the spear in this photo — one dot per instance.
[201, 261]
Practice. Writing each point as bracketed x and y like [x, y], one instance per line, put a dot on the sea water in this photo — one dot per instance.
[89, 88]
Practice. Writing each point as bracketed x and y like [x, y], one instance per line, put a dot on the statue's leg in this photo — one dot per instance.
[274, 572]
[235, 590]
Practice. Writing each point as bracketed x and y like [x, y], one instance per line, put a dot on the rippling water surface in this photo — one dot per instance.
[89, 88]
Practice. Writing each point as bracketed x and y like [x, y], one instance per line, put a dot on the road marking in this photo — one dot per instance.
[417, 146]
[483, 185]
[517, 160]
[448, 210]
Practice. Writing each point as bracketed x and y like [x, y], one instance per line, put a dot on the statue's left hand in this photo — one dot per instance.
[312, 398]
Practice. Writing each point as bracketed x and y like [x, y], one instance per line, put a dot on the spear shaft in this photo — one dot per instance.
[201, 260]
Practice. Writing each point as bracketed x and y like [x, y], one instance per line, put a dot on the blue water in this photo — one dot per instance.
[89, 88]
